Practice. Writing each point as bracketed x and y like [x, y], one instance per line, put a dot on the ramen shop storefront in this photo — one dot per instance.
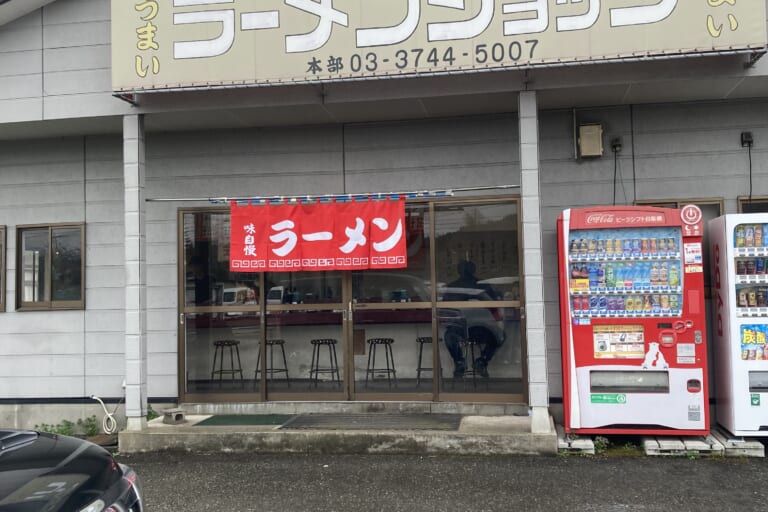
[445, 325]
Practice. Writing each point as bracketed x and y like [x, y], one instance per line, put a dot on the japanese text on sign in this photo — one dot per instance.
[236, 41]
[322, 236]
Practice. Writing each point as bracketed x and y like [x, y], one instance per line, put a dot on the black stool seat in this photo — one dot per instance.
[332, 367]
[389, 369]
[234, 348]
[271, 370]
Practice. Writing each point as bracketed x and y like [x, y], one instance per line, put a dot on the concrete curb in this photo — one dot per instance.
[476, 436]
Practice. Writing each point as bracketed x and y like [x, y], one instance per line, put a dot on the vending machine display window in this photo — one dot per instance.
[620, 273]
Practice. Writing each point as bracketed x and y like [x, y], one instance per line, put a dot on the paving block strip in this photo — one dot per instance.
[738, 446]
[683, 446]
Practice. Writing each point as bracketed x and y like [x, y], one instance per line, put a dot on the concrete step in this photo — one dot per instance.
[476, 435]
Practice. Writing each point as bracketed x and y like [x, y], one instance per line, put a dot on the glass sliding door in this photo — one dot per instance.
[220, 318]
[305, 336]
[477, 275]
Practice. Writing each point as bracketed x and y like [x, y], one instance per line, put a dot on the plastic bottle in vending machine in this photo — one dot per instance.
[592, 270]
[758, 235]
[644, 274]
[674, 275]
[610, 276]
[618, 273]
[749, 236]
[739, 236]
[764, 228]
[601, 275]
[664, 274]
[654, 274]
[576, 301]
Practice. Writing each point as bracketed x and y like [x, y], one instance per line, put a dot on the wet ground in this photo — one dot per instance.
[621, 480]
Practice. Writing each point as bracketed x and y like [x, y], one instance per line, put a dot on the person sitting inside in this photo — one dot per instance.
[467, 287]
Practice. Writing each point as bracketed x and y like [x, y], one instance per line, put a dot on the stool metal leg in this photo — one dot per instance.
[391, 359]
[418, 368]
[239, 366]
[213, 368]
[371, 353]
[285, 365]
[314, 365]
[334, 364]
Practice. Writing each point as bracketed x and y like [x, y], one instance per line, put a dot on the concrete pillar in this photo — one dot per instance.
[134, 183]
[533, 274]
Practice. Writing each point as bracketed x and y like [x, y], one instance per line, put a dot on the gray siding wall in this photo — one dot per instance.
[55, 63]
[682, 151]
[65, 353]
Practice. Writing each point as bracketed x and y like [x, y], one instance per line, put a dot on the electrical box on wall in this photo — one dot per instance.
[590, 140]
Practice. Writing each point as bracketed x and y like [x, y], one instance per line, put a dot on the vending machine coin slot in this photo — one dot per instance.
[667, 338]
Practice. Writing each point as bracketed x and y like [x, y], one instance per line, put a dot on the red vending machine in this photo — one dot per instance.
[633, 321]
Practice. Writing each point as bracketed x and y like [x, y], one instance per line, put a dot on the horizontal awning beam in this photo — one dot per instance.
[412, 194]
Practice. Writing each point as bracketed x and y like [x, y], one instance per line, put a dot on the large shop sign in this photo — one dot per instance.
[162, 44]
[352, 235]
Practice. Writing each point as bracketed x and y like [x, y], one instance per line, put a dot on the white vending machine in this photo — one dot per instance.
[739, 253]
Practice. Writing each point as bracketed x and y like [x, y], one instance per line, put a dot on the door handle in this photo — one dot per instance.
[181, 318]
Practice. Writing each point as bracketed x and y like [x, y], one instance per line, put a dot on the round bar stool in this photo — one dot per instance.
[389, 369]
[234, 348]
[271, 370]
[469, 347]
[333, 364]
[421, 340]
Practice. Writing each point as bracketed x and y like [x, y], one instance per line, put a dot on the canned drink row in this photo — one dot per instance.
[637, 303]
[751, 266]
[751, 235]
[623, 246]
[752, 297]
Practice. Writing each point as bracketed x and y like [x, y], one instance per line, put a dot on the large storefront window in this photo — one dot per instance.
[447, 324]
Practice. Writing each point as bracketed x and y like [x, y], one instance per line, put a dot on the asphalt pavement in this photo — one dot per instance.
[221, 481]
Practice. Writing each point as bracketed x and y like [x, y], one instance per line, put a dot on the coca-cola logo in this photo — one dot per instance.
[600, 218]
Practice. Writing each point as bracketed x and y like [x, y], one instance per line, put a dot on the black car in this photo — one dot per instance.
[54, 473]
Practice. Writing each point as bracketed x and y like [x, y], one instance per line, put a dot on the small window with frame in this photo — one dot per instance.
[753, 204]
[50, 267]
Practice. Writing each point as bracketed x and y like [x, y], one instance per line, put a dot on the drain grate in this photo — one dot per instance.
[374, 422]
[244, 419]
